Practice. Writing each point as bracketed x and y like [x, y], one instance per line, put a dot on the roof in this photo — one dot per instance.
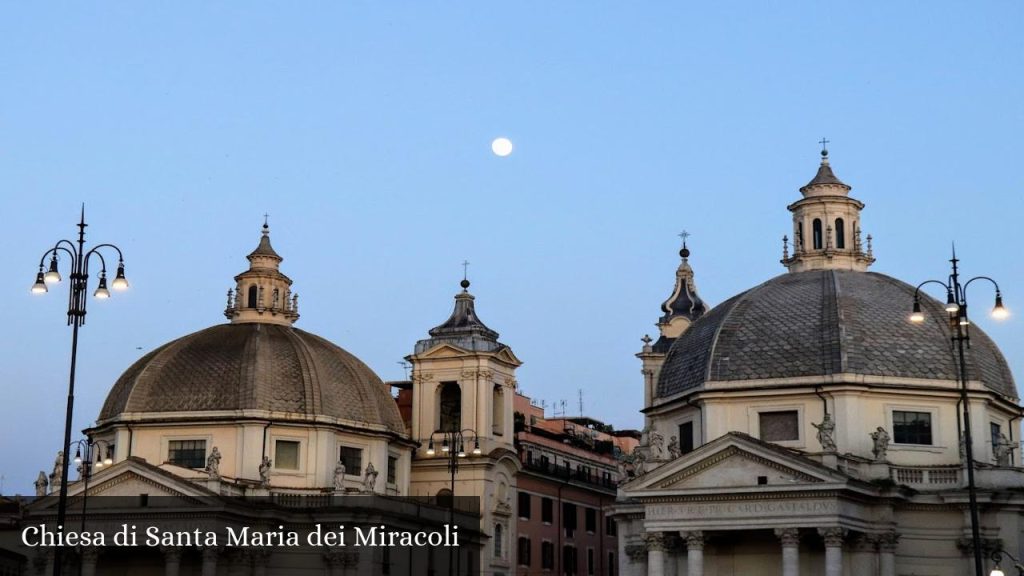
[463, 328]
[825, 322]
[252, 366]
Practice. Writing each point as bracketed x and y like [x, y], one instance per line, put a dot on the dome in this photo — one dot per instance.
[260, 367]
[824, 322]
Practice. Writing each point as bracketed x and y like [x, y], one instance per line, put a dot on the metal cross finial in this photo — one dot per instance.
[265, 218]
[684, 235]
[465, 269]
[824, 144]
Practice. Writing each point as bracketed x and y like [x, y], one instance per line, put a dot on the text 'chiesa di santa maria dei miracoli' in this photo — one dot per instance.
[806, 426]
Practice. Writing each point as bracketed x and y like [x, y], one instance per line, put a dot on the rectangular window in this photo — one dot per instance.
[392, 469]
[547, 555]
[524, 505]
[995, 431]
[568, 516]
[523, 553]
[779, 426]
[911, 427]
[547, 510]
[590, 520]
[286, 455]
[686, 437]
[187, 453]
[610, 528]
[569, 560]
[611, 564]
[352, 458]
[590, 562]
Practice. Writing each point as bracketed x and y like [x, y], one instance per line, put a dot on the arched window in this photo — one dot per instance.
[450, 407]
[817, 234]
[252, 296]
[499, 541]
[444, 498]
[840, 233]
[498, 411]
[800, 236]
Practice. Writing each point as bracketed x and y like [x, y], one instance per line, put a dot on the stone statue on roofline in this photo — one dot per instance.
[657, 445]
[673, 448]
[881, 439]
[826, 433]
[339, 476]
[265, 471]
[1002, 450]
[370, 478]
[57, 476]
[41, 484]
[213, 464]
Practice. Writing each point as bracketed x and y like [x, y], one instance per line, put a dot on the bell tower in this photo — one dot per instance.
[826, 226]
[680, 310]
[463, 385]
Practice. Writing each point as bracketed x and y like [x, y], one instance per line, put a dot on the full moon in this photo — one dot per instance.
[501, 147]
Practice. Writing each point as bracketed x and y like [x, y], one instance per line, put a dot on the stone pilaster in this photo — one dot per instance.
[790, 540]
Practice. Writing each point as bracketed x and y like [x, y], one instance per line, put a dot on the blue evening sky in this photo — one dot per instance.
[363, 128]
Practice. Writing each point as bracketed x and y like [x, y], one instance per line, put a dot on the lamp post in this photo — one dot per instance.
[959, 324]
[997, 557]
[453, 446]
[84, 450]
[78, 258]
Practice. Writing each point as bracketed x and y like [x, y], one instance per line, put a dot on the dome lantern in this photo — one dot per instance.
[262, 293]
[826, 225]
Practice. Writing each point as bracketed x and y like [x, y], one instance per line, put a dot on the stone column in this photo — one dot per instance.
[694, 552]
[833, 550]
[210, 561]
[887, 543]
[790, 539]
[172, 560]
[655, 542]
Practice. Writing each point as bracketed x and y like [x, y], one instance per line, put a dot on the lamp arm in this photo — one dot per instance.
[88, 256]
[917, 291]
[968, 283]
[54, 250]
[97, 247]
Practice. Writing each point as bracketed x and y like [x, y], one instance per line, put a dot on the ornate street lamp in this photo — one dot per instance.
[78, 258]
[959, 325]
[453, 446]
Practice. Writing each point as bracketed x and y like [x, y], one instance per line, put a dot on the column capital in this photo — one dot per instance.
[833, 536]
[887, 541]
[694, 539]
[655, 541]
[788, 536]
[636, 553]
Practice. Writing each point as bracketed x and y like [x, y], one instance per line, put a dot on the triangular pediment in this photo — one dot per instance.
[133, 478]
[735, 461]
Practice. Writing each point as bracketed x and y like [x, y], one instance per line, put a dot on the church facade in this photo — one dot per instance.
[806, 426]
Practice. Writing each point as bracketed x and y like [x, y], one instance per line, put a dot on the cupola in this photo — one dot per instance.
[262, 293]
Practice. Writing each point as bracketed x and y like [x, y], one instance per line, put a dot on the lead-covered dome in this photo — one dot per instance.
[259, 367]
[825, 322]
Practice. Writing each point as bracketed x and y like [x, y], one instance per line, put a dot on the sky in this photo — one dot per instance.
[363, 129]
